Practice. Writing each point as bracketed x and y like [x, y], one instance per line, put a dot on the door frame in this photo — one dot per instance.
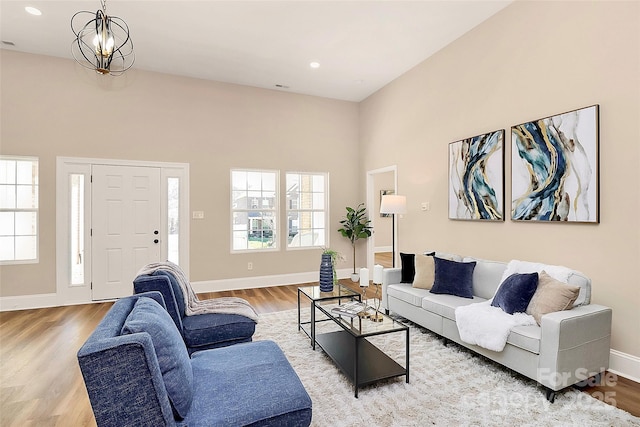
[373, 210]
[66, 293]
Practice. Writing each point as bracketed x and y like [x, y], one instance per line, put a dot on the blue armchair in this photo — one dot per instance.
[202, 331]
[138, 373]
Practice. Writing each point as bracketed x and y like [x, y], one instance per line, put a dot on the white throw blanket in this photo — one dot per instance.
[486, 326]
[193, 306]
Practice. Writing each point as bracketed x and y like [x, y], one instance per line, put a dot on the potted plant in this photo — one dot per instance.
[355, 226]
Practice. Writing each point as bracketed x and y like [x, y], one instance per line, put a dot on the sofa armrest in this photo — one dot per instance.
[162, 284]
[124, 382]
[390, 276]
[574, 345]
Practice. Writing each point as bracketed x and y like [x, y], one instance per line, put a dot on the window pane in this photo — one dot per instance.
[7, 248]
[240, 240]
[269, 182]
[238, 180]
[318, 183]
[254, 181]
[26, 223]
[318, 200]
[26, 172]
[7, 171]
[7, 224]
[76, 184]
[318, 219]
[27, 196]
[173, 219]
[7, 196]
[25, 247]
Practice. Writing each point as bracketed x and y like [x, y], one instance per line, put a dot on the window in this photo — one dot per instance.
[306, 209]
[18, 209]
[173, 219]
[77, 227]
[254, 210]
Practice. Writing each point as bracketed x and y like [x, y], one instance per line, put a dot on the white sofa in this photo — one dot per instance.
[568, 347]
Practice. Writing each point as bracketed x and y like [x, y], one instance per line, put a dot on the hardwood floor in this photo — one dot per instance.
[41, 383]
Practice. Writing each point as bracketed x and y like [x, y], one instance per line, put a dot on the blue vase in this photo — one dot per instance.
[326, 274]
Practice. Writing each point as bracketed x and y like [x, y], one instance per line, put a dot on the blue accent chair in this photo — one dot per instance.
[138, 373]
[202, 331]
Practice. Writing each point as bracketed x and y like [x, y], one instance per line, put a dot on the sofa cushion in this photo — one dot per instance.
[177, 290]
[253, 384]
[487, 276]
[445, 305]
[214, 329]
[408, 267]
[515, 292]
[551, 295]
[407, 293]
[148, 316]
[425, 272]
[526, 337]
[453, 278]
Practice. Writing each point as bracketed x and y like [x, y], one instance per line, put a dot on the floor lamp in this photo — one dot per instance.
[393, 204]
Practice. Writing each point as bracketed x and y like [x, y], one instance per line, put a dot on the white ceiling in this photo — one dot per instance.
[360, 45]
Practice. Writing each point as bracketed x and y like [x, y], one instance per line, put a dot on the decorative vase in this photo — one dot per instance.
[355, 277]
[326, 274]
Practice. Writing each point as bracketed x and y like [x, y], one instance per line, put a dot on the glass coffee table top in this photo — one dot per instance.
[363, 327]
[339, 291]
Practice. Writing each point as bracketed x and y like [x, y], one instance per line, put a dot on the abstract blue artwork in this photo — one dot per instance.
[554, 168]
[476, 178]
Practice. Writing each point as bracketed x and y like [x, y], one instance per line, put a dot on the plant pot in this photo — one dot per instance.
[355, 277]
[326, 274]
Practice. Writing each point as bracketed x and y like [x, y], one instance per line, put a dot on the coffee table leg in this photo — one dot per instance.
[313, 325]
[299, 310]
[407, 355]
[355, 368]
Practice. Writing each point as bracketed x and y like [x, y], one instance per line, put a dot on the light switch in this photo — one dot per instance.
[197, 215]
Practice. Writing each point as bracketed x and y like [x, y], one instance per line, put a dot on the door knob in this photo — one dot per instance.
[155, 232]
[156, 241]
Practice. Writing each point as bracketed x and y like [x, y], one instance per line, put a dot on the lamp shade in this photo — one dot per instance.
[393, 204]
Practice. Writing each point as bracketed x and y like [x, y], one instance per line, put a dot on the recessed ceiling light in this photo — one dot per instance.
[314, 64]
[33, 10]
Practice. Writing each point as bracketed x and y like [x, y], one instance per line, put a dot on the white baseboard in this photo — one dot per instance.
[261, 281]
[625, 365]
[26, 302]
[379, 249]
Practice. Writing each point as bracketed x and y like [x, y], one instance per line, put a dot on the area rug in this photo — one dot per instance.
[448, 386]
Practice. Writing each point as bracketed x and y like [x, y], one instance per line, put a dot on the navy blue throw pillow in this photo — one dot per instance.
[516, 292]
[453, 278]
[408, 267]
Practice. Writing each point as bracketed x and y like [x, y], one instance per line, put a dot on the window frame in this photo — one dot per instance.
[275, 211]
[36, 210]
[326, 211]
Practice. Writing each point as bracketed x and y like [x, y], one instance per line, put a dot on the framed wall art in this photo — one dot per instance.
[555, 167]
[476, 178]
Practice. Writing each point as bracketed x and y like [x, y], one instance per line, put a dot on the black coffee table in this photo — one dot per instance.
[358, 359]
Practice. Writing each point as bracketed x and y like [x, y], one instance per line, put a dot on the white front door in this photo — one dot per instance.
[125, 226]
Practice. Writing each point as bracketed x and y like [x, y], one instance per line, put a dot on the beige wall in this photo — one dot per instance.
[531, 60]
[51, 107]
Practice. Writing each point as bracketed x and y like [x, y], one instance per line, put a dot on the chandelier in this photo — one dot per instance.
[102, 44]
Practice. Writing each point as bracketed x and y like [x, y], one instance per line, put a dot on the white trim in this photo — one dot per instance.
[625, 365]
[379, 249]
[372, 208]
[25, 302]
[261, 281]
[69, 295]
